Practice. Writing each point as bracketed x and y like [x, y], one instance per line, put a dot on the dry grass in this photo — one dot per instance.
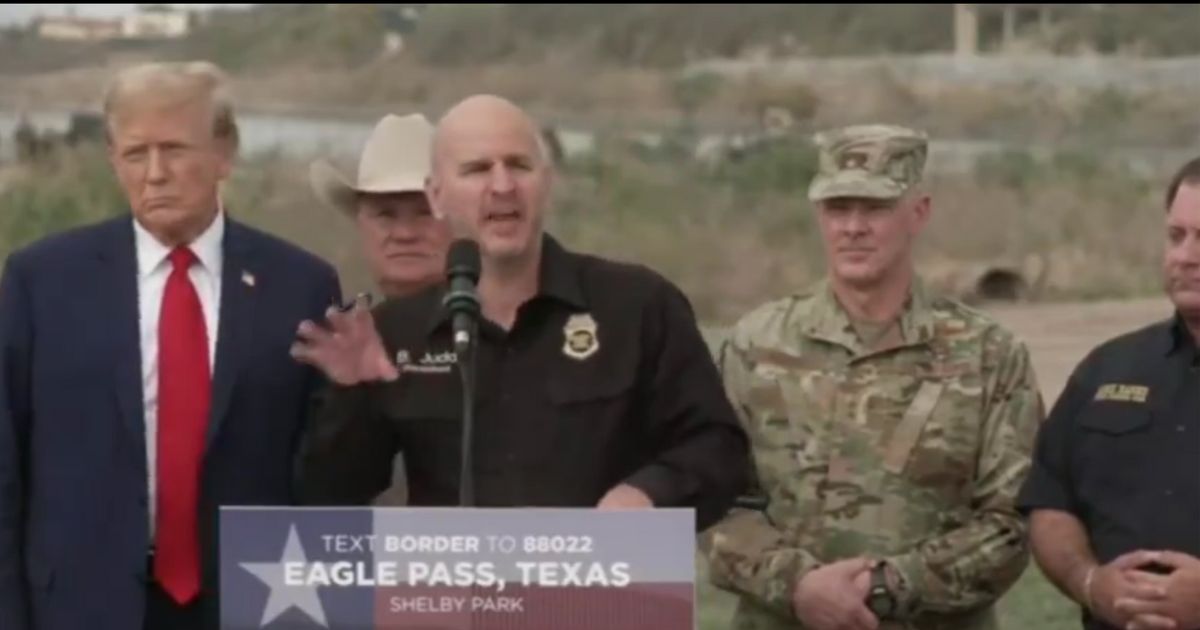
[730, 239]
[566, 91]
[554, 90]
[1075, 232]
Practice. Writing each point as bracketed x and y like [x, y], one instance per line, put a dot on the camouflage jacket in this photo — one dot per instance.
[912, 454]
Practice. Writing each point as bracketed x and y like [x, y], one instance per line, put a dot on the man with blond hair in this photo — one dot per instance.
[146, 376]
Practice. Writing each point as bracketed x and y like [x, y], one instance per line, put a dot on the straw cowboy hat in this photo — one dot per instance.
[395, 159]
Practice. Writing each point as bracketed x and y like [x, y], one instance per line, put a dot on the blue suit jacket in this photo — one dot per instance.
[74, 529]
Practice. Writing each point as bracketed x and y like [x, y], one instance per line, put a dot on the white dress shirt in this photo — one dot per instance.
[153, 269]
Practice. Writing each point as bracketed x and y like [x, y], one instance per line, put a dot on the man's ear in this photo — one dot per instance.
[922, 210]
[111, 153]
[432, 188]
[227, 149]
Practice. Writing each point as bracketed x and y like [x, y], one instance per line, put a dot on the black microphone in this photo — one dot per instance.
[462, 301]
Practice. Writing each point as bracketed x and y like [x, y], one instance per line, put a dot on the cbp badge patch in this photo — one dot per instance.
[580, 340]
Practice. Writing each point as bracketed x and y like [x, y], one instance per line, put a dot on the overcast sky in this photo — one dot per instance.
[22, 13]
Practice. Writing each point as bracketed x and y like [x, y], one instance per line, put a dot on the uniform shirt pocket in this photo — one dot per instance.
[1114, 419]
[592, 425]
[1114, 446]
[567, 392]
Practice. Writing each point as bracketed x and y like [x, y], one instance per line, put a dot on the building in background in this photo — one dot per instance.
[74, 28]
[156, 22]
[152, 22]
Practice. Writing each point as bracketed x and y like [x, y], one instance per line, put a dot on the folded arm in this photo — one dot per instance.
[746, 553]
[973, 565]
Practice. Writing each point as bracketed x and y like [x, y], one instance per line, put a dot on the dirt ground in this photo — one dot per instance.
[1060, 335]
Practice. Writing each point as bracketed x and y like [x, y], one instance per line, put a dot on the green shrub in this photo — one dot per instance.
[66, 189]
[1011, 168]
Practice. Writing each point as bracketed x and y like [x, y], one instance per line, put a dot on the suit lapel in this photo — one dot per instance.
[119, 279]
[238, 296]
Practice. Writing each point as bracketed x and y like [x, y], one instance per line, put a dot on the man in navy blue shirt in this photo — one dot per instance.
[1114, 492]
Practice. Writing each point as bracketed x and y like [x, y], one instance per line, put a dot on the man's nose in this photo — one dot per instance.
[502, 179]
[405, 229]
[1188, 252]
[855, 222]
[156, 167]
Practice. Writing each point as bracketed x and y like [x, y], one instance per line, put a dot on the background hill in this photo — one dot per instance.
[650, 35]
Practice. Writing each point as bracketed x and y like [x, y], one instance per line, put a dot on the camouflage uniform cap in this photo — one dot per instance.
[872, 161]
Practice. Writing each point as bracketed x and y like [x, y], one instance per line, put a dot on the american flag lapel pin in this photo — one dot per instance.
[248, 279]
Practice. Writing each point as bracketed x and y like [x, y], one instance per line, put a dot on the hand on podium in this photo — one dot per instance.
[625, 497]
[350, 351]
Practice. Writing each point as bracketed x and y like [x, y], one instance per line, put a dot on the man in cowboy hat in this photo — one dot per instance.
[404, 244]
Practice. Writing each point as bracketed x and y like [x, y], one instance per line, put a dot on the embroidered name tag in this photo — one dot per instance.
[1123, 393]
[442, 363]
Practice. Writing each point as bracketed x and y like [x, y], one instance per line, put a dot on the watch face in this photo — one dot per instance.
[879, 598]
[880, 603]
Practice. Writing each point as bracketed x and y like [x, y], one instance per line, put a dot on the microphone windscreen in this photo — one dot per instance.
[463, 258]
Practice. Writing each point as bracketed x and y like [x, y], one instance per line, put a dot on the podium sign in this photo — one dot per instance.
[457, 568]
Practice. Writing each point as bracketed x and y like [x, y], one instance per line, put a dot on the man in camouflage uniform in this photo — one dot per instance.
[891, 428]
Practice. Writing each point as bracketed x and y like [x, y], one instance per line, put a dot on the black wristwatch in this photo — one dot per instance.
[880, 599]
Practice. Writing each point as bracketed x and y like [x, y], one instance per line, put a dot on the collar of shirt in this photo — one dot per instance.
[829, 321]
[558, 279]
[151, 253]
[1179, 340]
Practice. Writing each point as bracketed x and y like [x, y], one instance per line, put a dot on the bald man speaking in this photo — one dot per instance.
[594, 385]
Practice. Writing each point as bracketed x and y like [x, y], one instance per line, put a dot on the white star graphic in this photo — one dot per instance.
[283, 596]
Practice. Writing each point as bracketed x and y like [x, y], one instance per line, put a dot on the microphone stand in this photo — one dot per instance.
[466, 368]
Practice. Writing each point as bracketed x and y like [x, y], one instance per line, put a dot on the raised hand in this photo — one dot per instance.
[349, 351]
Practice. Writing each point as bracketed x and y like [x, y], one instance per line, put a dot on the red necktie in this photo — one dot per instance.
[184, 386]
